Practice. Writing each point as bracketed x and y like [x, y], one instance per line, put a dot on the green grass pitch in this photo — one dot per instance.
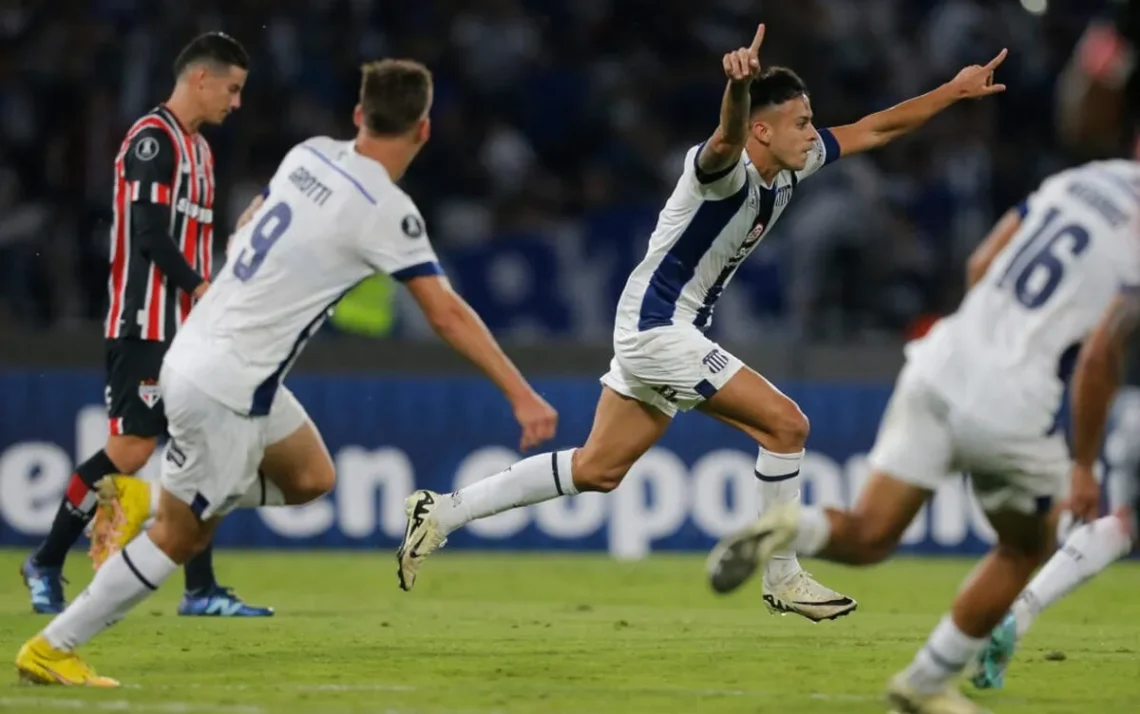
[558, 634]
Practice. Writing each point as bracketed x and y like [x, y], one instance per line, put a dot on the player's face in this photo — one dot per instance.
[788, 132]
[219, 92]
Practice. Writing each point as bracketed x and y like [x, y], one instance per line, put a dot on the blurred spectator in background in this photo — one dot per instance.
[558, 128]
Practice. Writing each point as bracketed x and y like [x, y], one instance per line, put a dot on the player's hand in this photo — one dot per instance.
[201, 289]
[743, 65]
[1084, 495]
[247, 214]
[537, 419]
[978, 80]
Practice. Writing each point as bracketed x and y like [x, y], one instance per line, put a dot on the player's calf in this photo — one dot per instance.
[982, 603]
[623, 430]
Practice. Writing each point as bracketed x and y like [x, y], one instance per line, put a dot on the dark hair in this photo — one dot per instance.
[394, 95]
[774, 86]
[214, 47]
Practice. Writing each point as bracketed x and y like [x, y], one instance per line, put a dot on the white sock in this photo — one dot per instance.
[533, 480]
[263, 492]
[1089, 550]
[944, 656]
[125, 580]
[779, 476]
[814, 532]
[155, 493]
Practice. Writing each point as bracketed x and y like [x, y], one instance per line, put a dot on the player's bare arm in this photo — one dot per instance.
[251, 209]
[883, 127]
[993, 244]
[246, 216]
[459, 325]
[727, 143]
[1095, 382]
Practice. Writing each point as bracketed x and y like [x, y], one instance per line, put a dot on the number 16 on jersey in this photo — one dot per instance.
[1038, 266]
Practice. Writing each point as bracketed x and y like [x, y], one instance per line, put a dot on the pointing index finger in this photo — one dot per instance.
[993, 64]
[754, 48]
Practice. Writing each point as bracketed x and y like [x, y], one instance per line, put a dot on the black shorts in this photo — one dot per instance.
[134, 404]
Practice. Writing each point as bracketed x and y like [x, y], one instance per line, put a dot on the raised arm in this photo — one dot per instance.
[880, 128]
[722, 151]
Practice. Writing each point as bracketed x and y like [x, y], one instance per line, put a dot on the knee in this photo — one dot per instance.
[592, 472]
[873, 542]
[130, 453]
[790, 430]
[180, 545]
[315, 482]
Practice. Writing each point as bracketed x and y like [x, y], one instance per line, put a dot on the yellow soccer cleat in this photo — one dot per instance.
[40, 663]
[123, 510]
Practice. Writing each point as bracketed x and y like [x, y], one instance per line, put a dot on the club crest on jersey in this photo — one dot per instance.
[149, 393]
[753, 236]
[412, 226]
[147, 148]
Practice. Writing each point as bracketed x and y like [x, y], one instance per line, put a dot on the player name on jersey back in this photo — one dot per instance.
[331, 218]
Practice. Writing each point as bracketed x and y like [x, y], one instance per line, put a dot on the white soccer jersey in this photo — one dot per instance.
[331, 218]
[1007, 352]
[709, 225]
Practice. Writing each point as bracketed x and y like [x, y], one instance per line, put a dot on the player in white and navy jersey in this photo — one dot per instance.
[733, 188]
[332, 217]
[1110, 189]
[981, 394]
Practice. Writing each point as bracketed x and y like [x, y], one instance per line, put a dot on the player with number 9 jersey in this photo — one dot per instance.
[330, 218]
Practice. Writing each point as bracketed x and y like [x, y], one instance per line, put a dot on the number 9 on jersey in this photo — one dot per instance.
[265, 234]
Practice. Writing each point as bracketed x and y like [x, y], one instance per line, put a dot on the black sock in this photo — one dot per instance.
[200, 571]
[75, 511]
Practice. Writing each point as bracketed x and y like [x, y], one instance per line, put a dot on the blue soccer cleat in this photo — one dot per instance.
[219, 601]
[45, 586]
[992, 661]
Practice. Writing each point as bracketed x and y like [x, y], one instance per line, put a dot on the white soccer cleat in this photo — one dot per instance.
[902, 698]
[422, 537]
[802, 595]
[738, 556]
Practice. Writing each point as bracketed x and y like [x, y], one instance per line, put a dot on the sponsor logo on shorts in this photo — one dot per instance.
[669, 393]
[715, 361]
[149, 393]
[175, 454]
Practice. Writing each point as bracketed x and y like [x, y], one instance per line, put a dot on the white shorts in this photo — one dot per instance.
[213, 453]
[923, 440]
[670, 368]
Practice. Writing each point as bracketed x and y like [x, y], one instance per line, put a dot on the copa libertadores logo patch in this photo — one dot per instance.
[147, 148]
[412, 226]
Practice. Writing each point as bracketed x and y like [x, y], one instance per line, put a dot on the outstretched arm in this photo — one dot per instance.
[880, 128]
[722, 151]
[460, 327]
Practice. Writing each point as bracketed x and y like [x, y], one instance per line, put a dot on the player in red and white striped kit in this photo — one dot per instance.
[160, 260]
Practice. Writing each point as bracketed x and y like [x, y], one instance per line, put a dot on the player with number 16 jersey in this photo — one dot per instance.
[981, 394]
[1004, 356]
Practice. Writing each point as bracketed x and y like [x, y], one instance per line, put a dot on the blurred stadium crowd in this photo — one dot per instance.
[557, 130]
